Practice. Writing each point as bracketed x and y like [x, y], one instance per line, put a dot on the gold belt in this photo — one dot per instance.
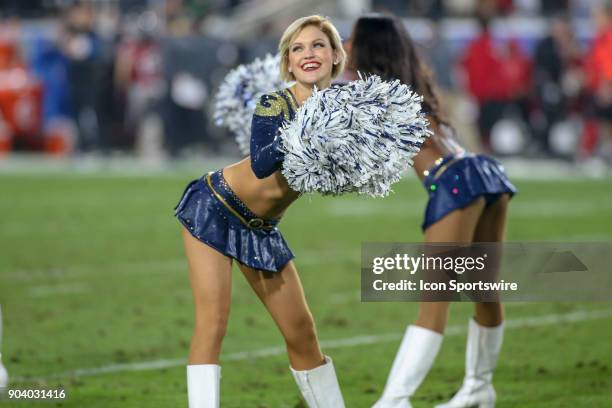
[253, 223]
[446, 165]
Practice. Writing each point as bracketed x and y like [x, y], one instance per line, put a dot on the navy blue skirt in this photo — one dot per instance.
[456, 181]
[215, 215]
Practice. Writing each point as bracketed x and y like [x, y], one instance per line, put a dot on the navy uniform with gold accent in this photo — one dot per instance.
[457, 180]
[272, 111]
[214, 214]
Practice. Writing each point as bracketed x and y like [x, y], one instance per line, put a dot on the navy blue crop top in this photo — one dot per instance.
[272, 111]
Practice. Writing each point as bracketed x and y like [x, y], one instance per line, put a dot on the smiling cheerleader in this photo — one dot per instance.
[232, 214]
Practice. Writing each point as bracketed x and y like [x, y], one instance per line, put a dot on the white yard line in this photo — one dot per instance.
[83, 270]
[42, 291]
[531, 209]
[62, 273]
[519, 323]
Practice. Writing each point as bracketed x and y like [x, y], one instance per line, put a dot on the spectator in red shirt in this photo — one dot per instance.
[479, 61]
[495, 79]
[139, 77]
[517, 71]
[515, 78]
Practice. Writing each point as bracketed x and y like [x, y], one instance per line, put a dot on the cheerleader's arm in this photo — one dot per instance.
[266, 155]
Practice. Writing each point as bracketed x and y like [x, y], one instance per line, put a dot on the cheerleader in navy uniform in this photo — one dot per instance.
[232, 214]
[468, 199]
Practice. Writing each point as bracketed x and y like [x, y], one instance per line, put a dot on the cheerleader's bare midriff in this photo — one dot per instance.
[268, 197]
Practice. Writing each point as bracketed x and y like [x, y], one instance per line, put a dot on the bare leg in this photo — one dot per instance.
[491, 228]
[485, 332]
[282, 294]
[458, 226]
[422, 340]
[210, 276]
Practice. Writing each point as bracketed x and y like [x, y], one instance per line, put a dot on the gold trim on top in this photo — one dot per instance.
[273, 105]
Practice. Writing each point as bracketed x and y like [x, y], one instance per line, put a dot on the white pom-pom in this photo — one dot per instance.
[358, 138]
[239, 92]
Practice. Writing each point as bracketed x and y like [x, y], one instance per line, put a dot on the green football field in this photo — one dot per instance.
[95, 298]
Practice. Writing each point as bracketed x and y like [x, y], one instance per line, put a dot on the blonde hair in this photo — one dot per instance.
[323, 24]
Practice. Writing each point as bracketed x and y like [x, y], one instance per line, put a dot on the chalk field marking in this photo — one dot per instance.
[519, 323]
[531, 209]
[162, 266]
[345, 297]
[77, 287]
[42, 291]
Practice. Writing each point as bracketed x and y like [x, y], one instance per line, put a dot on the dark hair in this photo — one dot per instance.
[382, 46]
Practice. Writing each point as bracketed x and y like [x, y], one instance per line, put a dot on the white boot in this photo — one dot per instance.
[3, 377]
[203, 382]
[3, 373]
[414, 358]
[319, 386]
[483, 347]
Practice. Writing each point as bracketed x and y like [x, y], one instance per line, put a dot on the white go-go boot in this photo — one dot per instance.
[203, 385]
[413, 361]
[319, 386]
[482, 351]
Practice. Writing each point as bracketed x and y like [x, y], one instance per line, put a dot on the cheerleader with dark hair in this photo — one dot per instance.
[468, 200]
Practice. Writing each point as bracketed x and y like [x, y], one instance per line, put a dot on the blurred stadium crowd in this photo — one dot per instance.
[520, 77]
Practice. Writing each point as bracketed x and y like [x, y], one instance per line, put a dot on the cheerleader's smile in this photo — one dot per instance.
[310, 66]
